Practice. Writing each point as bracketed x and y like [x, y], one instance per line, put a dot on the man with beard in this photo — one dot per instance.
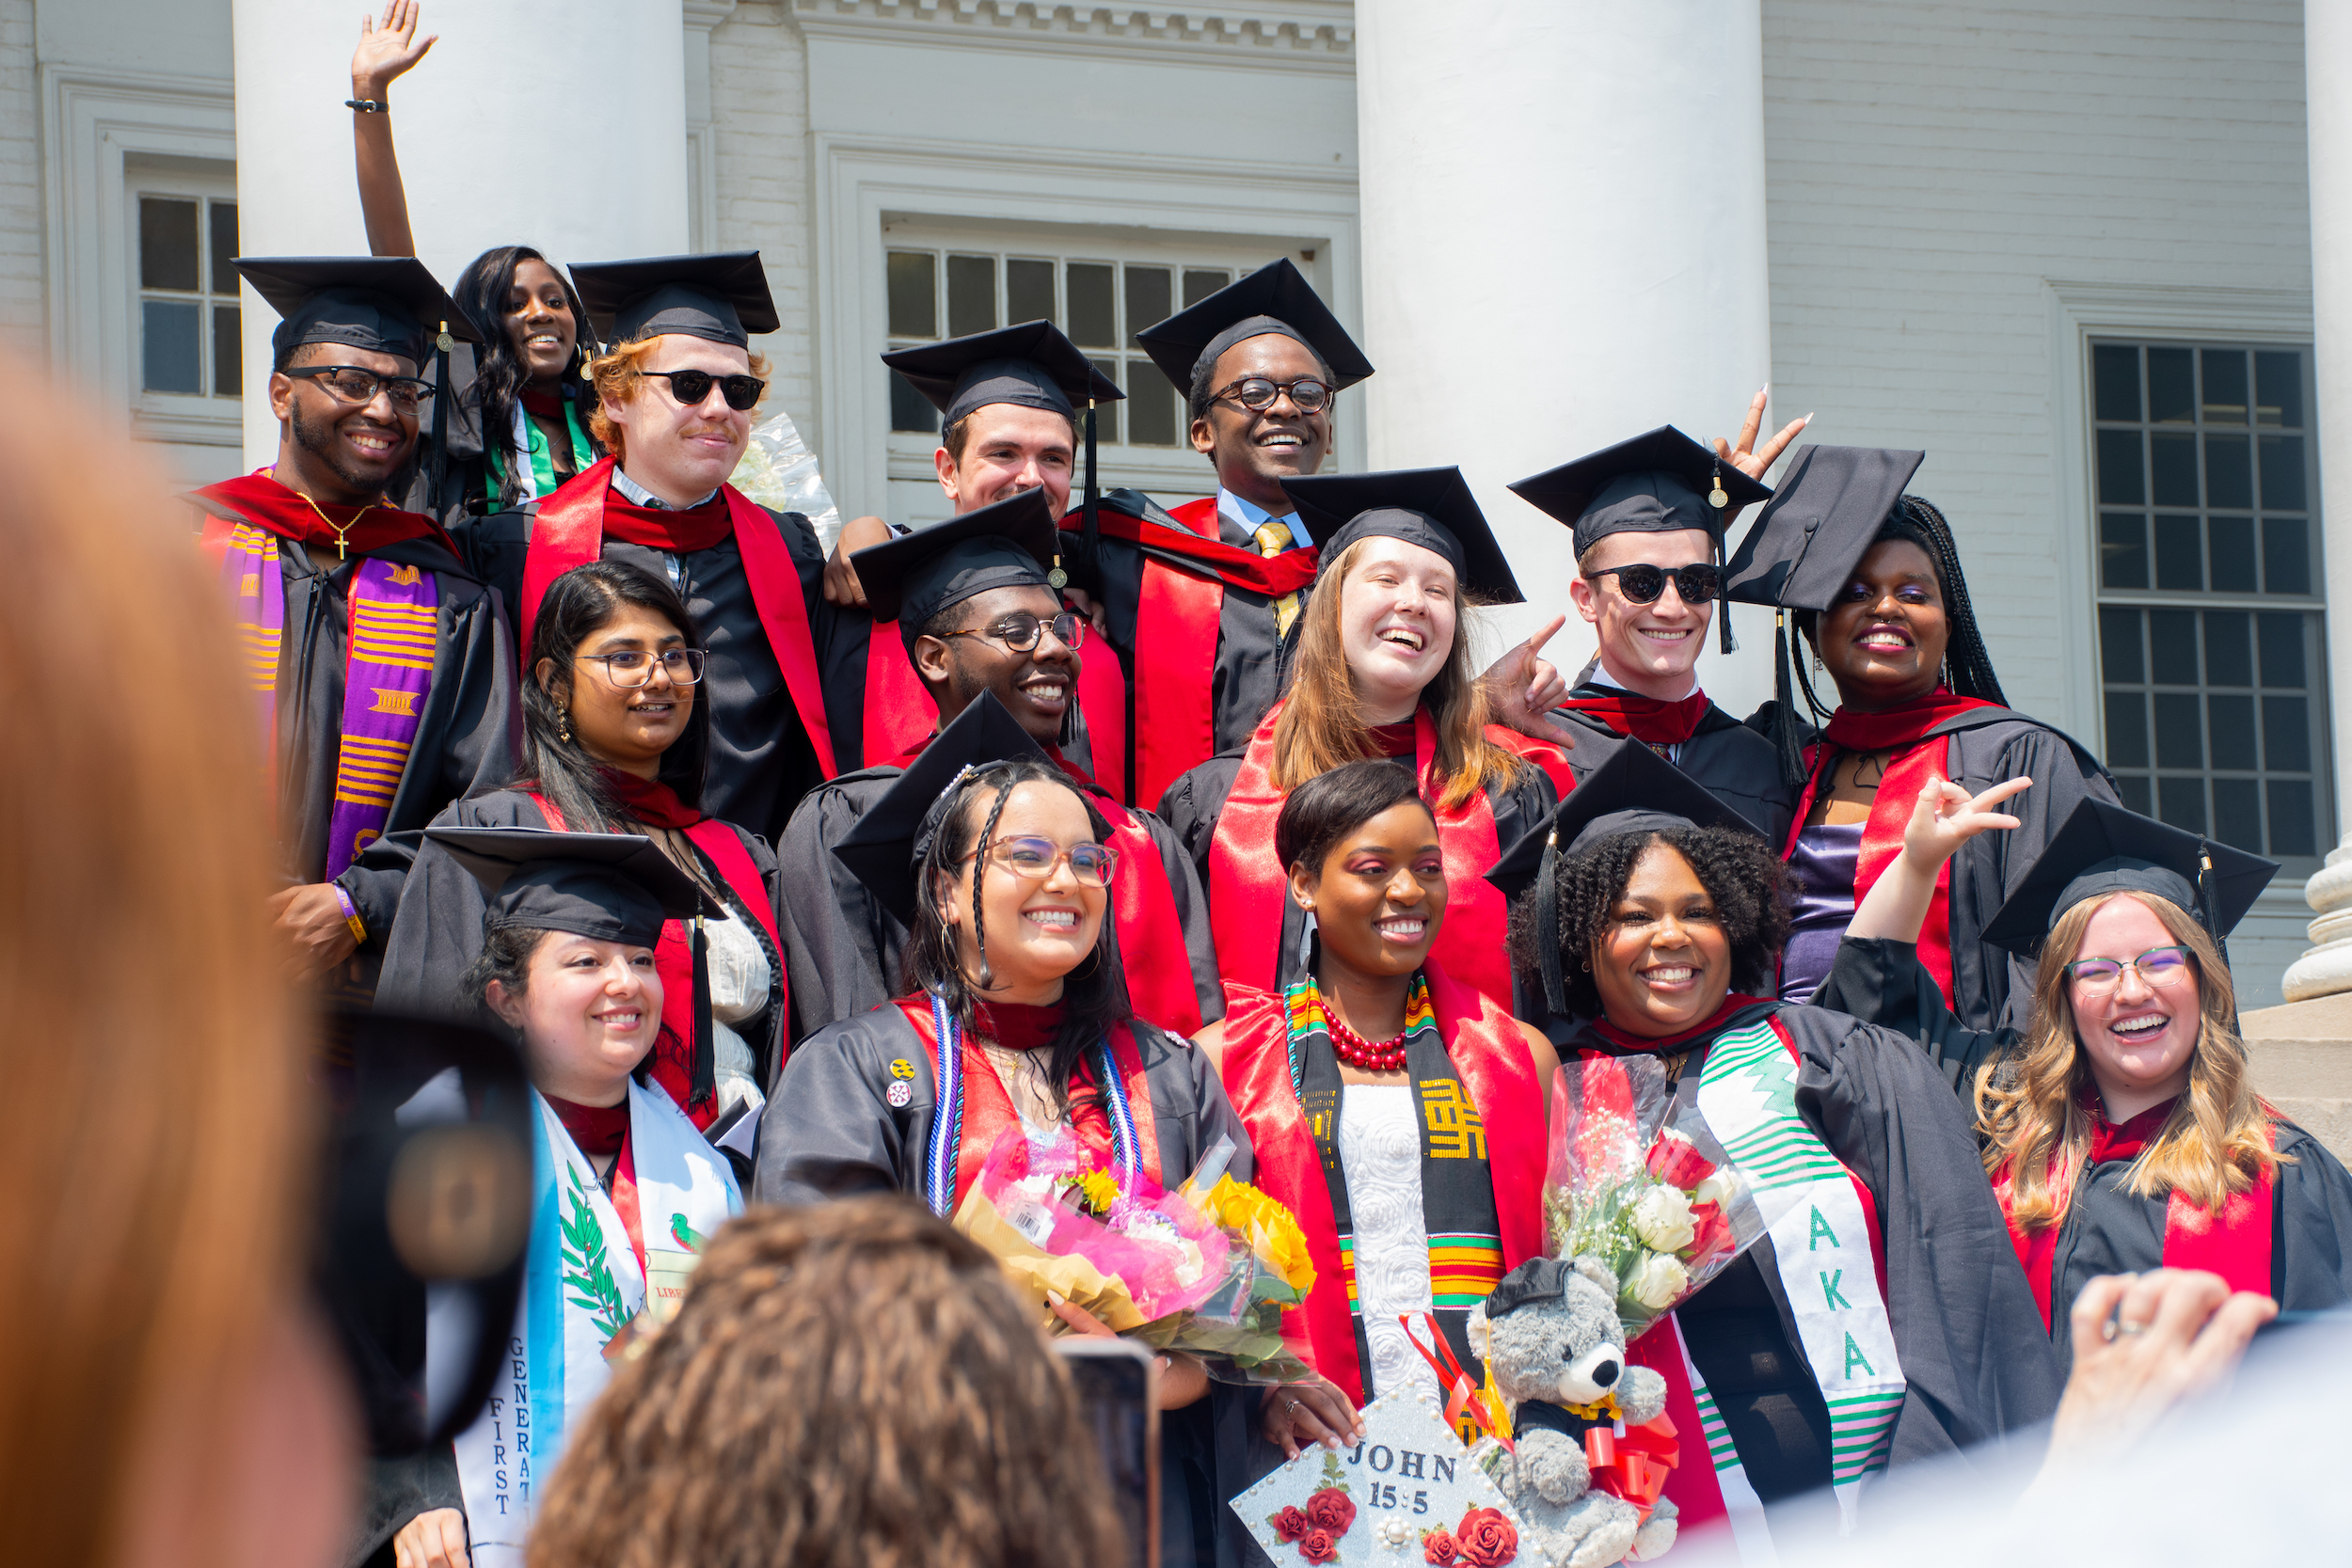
[382, 668]
[971, 604]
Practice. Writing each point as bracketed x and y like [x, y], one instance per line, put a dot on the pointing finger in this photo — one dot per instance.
[1535, 643]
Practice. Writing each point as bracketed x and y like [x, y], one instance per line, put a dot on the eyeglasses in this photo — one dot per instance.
[1020, 631]
[2158, 966]
[633, 667]
[1642, 583]
[691, 386]
[1035, 860]
[1257, 394]
[352, 385]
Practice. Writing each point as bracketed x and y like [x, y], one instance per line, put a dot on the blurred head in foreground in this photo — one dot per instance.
[164, 1398]
[846, 1384]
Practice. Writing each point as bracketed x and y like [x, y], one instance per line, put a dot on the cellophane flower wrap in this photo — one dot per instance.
[1205, 1270]
[1645, 1189]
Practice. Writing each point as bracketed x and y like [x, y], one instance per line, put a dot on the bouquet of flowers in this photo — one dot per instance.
[1648, 1192]
[1206, 1270]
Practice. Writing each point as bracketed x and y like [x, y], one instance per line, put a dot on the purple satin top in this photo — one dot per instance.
[1821, 869]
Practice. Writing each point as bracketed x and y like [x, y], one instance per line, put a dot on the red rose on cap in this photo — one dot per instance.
[1486, 1539]
[1330, 1508]
[1319, 1546]
[1290, 1525]
[1439, 1548]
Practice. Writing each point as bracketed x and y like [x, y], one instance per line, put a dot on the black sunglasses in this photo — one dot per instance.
[1642, 583]
[691, 386]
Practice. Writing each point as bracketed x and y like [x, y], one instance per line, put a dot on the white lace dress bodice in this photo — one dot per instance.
[741, 983]
[1380, 1151]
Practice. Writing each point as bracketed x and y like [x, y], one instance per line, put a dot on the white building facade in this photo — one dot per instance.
[2067, 249]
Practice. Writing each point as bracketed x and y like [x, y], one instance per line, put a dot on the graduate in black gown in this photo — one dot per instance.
[2120, 1125]
[676, 392]
[1870, 578]
[1648, 517]
[975, 618]
[1011, 1012]
[1882, 1320]
[382, 665]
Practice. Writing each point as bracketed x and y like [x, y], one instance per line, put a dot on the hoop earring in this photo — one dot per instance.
[1093, 965]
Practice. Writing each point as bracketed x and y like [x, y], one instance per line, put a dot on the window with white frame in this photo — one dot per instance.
[2212, 645]
[186, 239]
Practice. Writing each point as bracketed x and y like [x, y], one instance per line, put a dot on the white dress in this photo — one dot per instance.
[741, 983]
[1380, 1151]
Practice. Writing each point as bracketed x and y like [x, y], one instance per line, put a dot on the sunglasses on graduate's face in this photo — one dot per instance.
[691, 386]
[1645, 584]
[1257, 394]
[352, 385]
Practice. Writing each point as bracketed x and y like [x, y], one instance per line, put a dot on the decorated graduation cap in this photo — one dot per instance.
[2102, 849]
[1430, 507]
[1008, 544]
[1536, 1279]
[722, 298]
[1805, 545]
[1276, 299]
[1661, 482]
[1634, 791]
[885, 850]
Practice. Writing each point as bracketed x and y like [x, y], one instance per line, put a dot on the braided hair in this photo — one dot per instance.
[1968, 665]
[1094, 995]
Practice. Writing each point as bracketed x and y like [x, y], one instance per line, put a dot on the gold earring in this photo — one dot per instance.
[564, 725]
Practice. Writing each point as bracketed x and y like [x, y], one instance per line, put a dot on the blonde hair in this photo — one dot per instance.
[153, 1131]
[1321, 726]
[618, 374]
[2216, 1142]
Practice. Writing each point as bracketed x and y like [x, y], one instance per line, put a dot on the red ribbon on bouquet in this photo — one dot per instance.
[1634, 1466]
[1461, 1394]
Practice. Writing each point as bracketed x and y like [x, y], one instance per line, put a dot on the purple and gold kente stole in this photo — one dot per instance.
[388, 669]
[256, 585]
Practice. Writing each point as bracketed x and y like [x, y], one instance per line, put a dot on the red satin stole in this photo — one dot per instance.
[900, 714]
[674, 955]
[570, 531]
[1151, 945]
[1917, 764]
[1490, 1056]
[266, 505]
[988, 1109]
[1646, 719]
[2235, 1243]
[1249, 892]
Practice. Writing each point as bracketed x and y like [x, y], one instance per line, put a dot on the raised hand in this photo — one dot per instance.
[1948, 816]
[1745, 457]
[387, 47]
[1522, 688]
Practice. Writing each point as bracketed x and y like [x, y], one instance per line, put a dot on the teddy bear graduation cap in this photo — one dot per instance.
[1634, 791]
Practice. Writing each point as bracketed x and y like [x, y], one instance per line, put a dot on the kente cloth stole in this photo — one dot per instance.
[1457, 1189]
[538, 475]
[388, 673]
[249, 570]
[1823, 1225]
[583, 1283]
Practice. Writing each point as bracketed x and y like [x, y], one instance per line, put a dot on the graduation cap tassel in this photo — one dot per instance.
[1728, 642]
[705, 1082]
[1091, 530]
[1792, 746]
[2209, 900]
[438, 467]
[1548, 926]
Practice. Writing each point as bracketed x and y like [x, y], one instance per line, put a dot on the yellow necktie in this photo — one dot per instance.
[1274, 537]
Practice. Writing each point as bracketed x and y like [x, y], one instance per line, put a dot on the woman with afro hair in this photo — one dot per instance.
[1882, 1318]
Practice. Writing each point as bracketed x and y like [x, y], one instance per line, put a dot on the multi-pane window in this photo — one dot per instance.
[188, 341]
[2211, 642]
[952, 292]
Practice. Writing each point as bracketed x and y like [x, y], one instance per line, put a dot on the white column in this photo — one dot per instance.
[1564, 246]
[2326, 968]
[558, 127]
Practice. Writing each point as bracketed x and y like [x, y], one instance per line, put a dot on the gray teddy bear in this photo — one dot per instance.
[1552, 1337]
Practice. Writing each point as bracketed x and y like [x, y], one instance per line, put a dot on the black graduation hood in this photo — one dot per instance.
[1806, 544]
[382, 304]
[1031, 365]
[1657, 482]
[722, 298]
[614, 887]
[1275, 298]
[1430, 507]
[885, 850]
[1007, 543]
[2102, 849]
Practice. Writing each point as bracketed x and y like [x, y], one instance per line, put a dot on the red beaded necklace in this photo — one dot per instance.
[1361, 1053]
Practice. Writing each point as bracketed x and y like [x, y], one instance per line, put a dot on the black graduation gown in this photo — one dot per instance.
[1992, 988]
[761, 761]
[1730, 760]
[2107, 1229]
[830, 1133]
[842, 947]
[437, 934]
[1969, 1337]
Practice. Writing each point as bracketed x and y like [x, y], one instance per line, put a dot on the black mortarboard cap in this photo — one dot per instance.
[722, 298]
[1806, 544]
[1634, 791]
[1031, 365]
[885, 850]
[1007, 543]
[1657, 482]
[382, 304]
[2102, 849]
[1430, 507]
[1275, 298]
[1536, 1279]
[614, 887]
